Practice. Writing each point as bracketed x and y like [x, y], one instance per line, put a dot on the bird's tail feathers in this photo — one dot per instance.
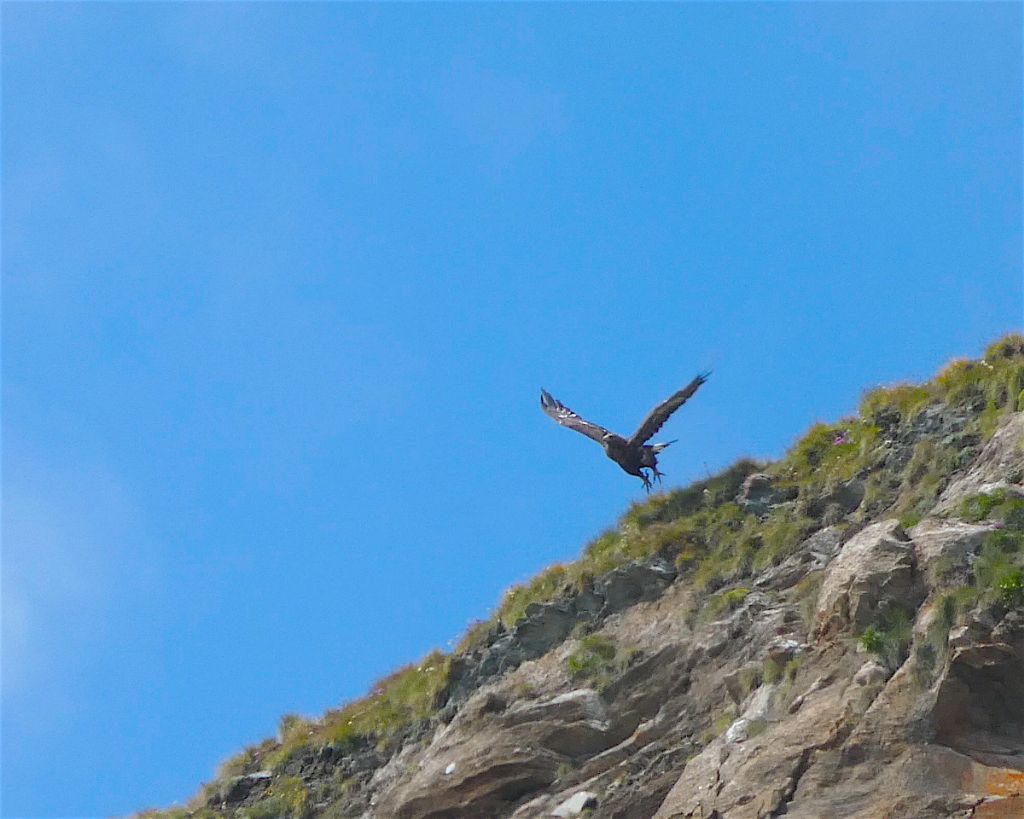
[658, 447]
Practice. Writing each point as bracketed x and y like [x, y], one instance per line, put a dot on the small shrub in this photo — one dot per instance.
[291, 726]
[890, 639]
[830, 454]
[1000, 505]
[908, 520]
[396, 702]
[703, 494]
[237, 765]
[476, 637]
[1011, 588]
[872, 640]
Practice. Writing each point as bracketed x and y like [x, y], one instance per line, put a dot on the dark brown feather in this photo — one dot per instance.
[660, 414]
[567, 418]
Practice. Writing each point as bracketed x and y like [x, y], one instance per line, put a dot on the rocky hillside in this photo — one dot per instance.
[839, 633]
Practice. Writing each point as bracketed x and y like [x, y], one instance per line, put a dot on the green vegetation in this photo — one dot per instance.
[719, 725]
[545, 586]
[724, 601]
[924, 477]
[999, 505]
[397, 701]
[830, 454]
[723, 721]
[774, 671]
[715, 541]
[1011, 588]
[900, 402]
[991, 386]
[749, 679]
[872, 640]
[287, 798]
[781, 533]
[805, 595]
[999, 568]
[595, 654]
[598, 660]
[890, 637]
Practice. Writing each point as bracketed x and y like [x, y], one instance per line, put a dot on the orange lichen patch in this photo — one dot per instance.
[1000, 808]
[1001, 791]
[997, 782]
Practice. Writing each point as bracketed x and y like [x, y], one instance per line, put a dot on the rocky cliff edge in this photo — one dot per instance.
[839, 633]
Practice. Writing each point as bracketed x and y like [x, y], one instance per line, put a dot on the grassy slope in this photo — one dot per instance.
[713, 542]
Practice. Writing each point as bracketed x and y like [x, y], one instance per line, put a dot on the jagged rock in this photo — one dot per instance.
[239, 788]
[783, 650]
[484, 785]
[845, 498]
[737, 681]
[576, 804]
[681, 721]
[812, 554]
[583, 704]
[545, 626]
[758, 494]
[948, 540]
[633, 583]
[1001, 457]
[871, 673]
[874, 568]
[979, 707]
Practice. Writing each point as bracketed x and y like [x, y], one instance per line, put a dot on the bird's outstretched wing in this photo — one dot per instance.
[567, 418]
[659, 415]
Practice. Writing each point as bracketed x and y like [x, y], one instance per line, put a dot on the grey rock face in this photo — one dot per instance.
[768, 708]
[759, 494]
[875, 568]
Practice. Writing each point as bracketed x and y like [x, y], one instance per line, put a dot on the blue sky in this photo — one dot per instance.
[281, 284]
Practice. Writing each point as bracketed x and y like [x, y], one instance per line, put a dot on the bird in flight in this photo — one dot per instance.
[634, 454]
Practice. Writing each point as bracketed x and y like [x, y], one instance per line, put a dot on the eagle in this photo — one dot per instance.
[634, 454]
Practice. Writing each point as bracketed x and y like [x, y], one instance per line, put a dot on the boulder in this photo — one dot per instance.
[1000, 458]
[634, 583]
[758, 494]
[947, 540]
[874, 569]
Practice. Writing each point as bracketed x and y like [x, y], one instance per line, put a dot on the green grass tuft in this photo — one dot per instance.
[287, 798]
[597, 659]
[397, 701]
[1010, 587]
[544, 587]
[890, 637]
[714, 540]
[902, 400]
[724, 601]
